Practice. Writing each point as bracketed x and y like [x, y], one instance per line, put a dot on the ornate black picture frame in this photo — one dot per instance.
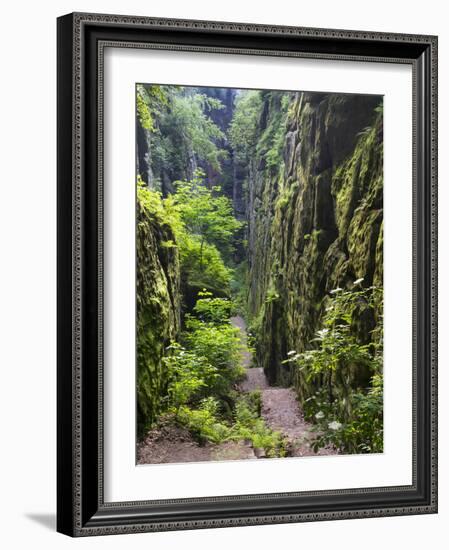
[81, 509]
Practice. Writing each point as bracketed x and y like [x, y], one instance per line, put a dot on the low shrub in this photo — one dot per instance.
[361, 432]
[347, 407]
[203, 422]
[250, 426]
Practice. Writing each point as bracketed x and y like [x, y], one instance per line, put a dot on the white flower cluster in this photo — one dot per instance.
[334, 425]
[335, 290]
[293, 355]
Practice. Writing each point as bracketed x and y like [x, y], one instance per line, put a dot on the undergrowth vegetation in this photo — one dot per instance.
[203, 366]
[347, 416]
[203, 225]
[203, 377]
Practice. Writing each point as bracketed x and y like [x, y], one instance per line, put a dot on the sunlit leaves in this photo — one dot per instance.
[149, 102]
[183, 133]
[206, 212]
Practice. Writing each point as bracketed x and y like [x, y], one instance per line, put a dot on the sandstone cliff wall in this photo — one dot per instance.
[314, 221]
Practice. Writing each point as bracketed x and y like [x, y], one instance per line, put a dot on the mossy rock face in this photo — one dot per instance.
[314, 224]
[362, 239]
[379, 259]
[158, 311]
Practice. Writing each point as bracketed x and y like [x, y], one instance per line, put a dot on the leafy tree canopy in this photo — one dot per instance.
[150, 102]
[206, 213]
[243, 131]
[181, 130]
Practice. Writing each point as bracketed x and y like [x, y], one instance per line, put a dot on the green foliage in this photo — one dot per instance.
[337, 349]
[206, 235]
[351, 419]
[143, 112]
[210, 335]
[189, 375]
[194, 220]
[165, 210]
[361, 431]
[188, 115]
[358, 181]
[204, 423]
[220, 345]
[312, 236]
[271, 295]
[186, 242]
[182, 131]
[337, 346]
[149, 102]
[271, 140]
[250, 426]
[213, 310]
[380, 108]
[202, 265]
[246, 135]
[207, 213]
[273, 156]
[243, 131]
[202, 375]
[255, 327]
[283, 200]
[208, 364]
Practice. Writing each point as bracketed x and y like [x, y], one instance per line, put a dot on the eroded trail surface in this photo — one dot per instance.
[173, 444]
[280, 409]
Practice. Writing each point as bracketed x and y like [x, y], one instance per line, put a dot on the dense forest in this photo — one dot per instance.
[259, 273]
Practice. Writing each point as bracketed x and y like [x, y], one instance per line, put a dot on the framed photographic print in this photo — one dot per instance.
[246, 274]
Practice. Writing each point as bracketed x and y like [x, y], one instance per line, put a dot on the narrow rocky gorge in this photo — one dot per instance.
[300, 180]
